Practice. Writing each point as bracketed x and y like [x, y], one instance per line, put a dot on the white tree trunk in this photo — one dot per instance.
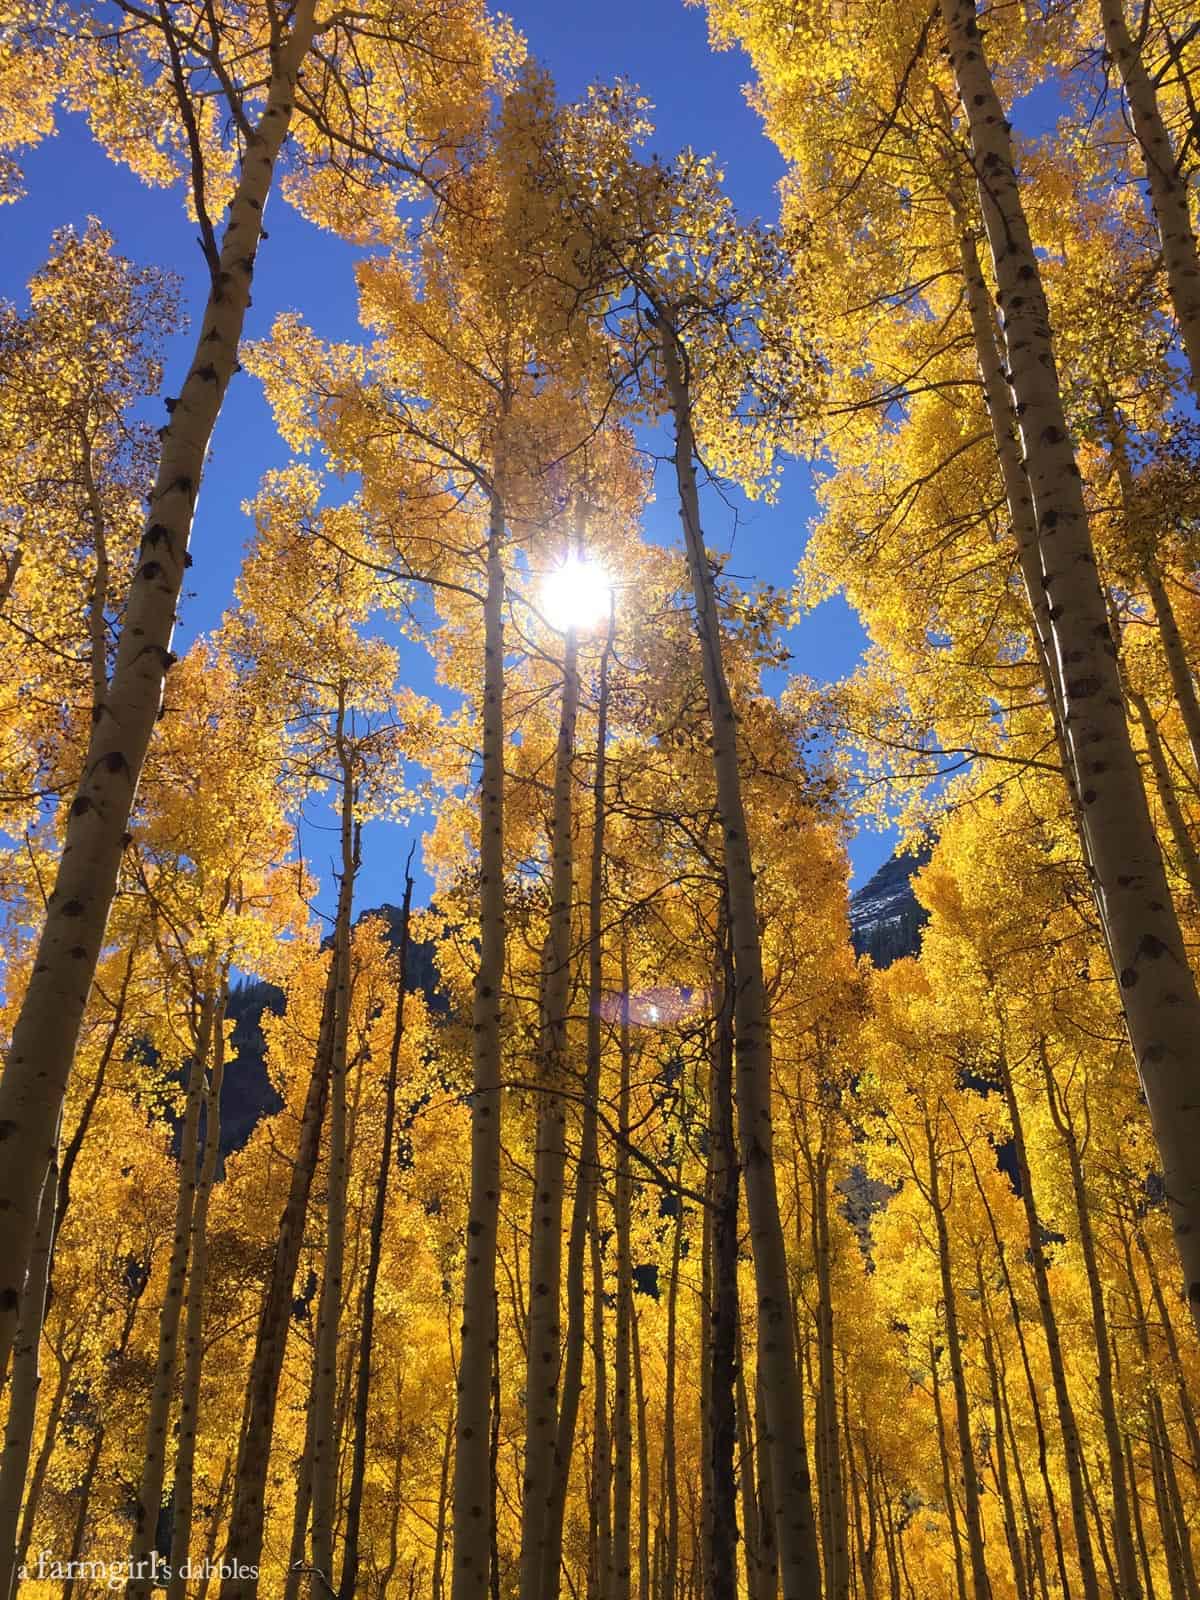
[47, 1028]
[1168, 186]
[1158, 989]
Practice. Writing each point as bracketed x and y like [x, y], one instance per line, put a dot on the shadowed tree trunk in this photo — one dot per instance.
[26, 1380]
[583, 1201]
[362, 1396]
[795, 1529]
[543, 1352]
[193, 1333]
[472, 1485]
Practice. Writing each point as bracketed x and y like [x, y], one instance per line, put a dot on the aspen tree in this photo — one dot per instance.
[45, 1034]
[1158, 991]
[69, 945]
[1164, 177]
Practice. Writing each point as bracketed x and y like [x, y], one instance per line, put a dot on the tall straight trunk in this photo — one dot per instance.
[1162, 1006]
[601, 1438]
[26, 1380]
[1175, 1535]
[1003, 1484]
[799, 1561]
[295, 1577]
[243, 1548]
[864, 1541]
[1187, 857]
[68, 1363]
[47, 1028]
[1135, 1501]
[193, 1332]
[643, 1447]
[1122, 1527]
[669, 1517]
[960, 1573]
[1031, 1387]
[622, 1545]
[1166, 180]
[443, 1509]
[1183, 684]
[721, 1521]
[1018, 495]
[583, 1201]
[757, 1588]
[1186, 1409]
[362, 1393]
[1174, 1500]
[764, 1488]
[326, 1433]
[472, 1476]
[837, 1566]
[1142, 540]
[980, 1586]
[162, 1392]
[1068, 1426]
[540, 1551]
[891, 1543]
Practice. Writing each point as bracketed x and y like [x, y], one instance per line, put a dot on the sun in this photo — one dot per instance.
[577, 595]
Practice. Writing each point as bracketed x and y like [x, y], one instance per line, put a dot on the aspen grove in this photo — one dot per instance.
[463, 1135]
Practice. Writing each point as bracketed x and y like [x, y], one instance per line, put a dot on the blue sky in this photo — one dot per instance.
[661, 45]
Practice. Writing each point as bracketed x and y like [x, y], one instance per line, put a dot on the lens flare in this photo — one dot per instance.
[577, 595]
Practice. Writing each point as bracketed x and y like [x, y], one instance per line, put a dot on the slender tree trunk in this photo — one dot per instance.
[1069, 1428]
[472, 1490]
[439, 1532]
[1166, 180]
[294, 1579]
[980, 1586]
[669, 1578]
[837, 1568]
[1186, 1409]
[162, 1393]
[757, 1587]
[47, 1028]
[643, 1444]
[1122, 1527]
[1138, 1525]
[1183, 684]
[721, 1562]
[799, 1562]
[243, 1550]
[622, 1545]
[1162, 1007]
[1187, 857]
[26, 1379]
[960, 1573]
[539, 1550]
[583, 1201]
[329, 1312]
[362, 1395]
[193, 1333]
[767, 1538]
[601, 1439]
[864, 1545]
[1031, 1386]
[79, 1531]
[1008, 1506]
